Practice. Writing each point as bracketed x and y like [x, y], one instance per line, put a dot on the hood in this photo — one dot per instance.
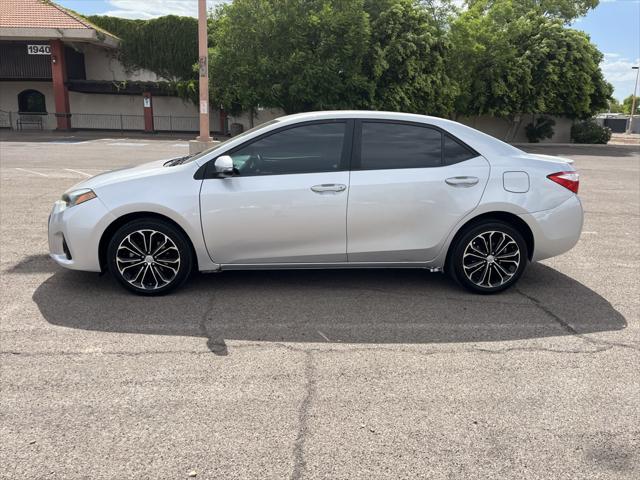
[124, 174]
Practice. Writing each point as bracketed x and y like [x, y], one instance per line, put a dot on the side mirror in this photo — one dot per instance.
[224, 165]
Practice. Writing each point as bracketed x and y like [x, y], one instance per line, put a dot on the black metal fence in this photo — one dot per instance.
[98, 121]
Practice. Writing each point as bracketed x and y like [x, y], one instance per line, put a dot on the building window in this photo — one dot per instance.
[31, 101]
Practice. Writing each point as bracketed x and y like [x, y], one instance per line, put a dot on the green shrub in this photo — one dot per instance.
[541, 129]
[589, 131]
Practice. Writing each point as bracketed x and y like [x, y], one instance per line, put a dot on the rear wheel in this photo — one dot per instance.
[489, 257]
[149, 257]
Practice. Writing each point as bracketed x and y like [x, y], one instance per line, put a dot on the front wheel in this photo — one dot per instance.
[489, 257]
[149, 257]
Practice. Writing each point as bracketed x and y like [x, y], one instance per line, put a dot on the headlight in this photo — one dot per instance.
[78, 196]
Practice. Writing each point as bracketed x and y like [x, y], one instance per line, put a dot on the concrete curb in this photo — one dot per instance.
[575, 145]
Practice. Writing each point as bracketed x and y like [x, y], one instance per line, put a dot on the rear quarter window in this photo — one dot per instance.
[456, 152]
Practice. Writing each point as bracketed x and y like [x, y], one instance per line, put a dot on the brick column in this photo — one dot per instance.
[60, 92]
[148, 112]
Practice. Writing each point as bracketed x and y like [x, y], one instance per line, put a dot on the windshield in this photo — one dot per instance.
[191, 158]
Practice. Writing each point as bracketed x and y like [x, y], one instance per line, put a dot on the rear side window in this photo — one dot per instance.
[455, 152]
[396, 145]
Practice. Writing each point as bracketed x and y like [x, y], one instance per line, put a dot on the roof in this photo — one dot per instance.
[37, 14]
[43, 19]
[484, 144]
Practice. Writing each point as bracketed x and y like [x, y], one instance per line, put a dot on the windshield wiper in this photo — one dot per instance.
[177, 161]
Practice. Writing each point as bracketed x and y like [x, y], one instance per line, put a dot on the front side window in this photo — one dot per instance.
[304, 149]
[397, 145]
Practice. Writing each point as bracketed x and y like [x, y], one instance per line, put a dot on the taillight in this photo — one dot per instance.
[569, 180]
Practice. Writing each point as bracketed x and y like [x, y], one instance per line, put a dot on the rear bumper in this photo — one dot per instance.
[74, 234]
[557, 230]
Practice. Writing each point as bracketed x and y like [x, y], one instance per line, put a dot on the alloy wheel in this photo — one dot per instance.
[491, 259]
[148, 259]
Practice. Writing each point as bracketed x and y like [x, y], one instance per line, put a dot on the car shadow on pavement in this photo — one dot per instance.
[341, 306]
[40, 263]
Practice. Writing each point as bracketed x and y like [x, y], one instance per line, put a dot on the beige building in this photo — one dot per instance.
[58, 71]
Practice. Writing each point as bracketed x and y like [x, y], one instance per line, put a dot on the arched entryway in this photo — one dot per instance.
[31, 101]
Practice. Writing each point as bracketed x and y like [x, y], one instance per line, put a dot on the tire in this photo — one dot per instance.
[149, 257]
[491, 271]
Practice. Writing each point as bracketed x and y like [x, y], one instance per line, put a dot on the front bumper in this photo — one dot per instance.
[557, 230]
[74, 234]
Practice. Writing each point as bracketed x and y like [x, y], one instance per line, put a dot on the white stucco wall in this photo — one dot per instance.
[515, 133]
[184, 114]
[104, 110]
[9, 99]
[9, 94]
[170, 113]
[173, 106]
[261, 116]
[497, 127]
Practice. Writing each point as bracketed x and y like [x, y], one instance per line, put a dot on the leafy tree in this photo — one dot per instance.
[565, 69]
[507, 63]
[406, 59]
[626, 105]
[492, 76]
[166, 45]
[565, 10]
[297, 55]
[614, 106]
[304, 55]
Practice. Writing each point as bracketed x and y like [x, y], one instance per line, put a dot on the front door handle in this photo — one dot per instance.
[329, 187]
[462, 181]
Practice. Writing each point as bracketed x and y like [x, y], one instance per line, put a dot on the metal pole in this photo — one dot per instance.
[204, 72]
[633, 100]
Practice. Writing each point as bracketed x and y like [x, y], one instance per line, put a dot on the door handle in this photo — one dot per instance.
[462, 181]
[329, 187]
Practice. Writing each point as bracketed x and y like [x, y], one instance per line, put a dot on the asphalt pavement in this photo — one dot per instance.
[317, 374]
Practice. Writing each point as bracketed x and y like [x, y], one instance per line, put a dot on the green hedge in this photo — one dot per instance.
[167, 45]
[590, 132]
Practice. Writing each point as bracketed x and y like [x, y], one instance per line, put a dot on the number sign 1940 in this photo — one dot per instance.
[38, 49]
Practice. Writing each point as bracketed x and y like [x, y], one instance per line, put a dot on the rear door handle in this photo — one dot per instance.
[462, 181]
[329, 187]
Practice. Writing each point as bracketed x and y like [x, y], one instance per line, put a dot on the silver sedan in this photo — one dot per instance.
[344, 189]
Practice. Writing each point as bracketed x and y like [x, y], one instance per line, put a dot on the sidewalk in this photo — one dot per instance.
[625, 139]
[7, 135]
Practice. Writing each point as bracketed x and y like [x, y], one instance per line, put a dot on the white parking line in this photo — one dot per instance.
[78, 171]
[180, 145]
[69, 142]
[31, 171]
[127, 144]
[323, 336]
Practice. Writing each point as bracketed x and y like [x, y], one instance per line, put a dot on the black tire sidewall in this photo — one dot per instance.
[180, 240]
[458, 252]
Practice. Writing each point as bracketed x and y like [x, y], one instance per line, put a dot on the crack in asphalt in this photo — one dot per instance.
[567, 327]
[299, 461]
[316, 350]
[216, 345]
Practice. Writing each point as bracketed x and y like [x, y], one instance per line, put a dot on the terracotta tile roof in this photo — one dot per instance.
[38, 14]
